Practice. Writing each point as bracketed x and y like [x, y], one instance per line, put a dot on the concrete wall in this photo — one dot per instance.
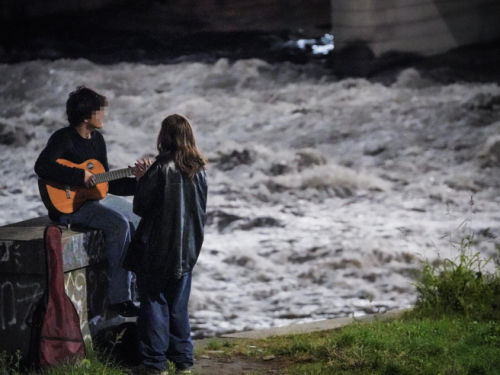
[425, 26]
[23, 280]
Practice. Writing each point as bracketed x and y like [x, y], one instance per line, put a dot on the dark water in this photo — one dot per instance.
[166, 32]
[157, 32]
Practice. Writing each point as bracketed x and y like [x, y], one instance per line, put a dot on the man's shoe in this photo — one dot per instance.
[142, 369]
[126, 309]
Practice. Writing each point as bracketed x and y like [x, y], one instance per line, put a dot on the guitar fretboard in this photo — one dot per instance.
[112, 175]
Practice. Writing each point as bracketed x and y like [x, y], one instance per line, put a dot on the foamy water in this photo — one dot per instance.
[324, 194]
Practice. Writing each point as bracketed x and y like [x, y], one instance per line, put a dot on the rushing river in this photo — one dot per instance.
[324, 194]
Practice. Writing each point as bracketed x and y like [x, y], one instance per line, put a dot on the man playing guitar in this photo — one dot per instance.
[78, 143]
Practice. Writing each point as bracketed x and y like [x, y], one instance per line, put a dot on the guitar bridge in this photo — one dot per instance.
[68, 195]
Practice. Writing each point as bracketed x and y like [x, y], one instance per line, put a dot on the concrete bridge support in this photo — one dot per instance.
[423, 26]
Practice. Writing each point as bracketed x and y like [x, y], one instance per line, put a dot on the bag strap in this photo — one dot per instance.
[54, 260]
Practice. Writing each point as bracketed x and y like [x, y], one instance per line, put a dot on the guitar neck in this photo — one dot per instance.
[113, 175]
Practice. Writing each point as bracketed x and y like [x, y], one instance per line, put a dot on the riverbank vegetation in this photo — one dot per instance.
[409, 345]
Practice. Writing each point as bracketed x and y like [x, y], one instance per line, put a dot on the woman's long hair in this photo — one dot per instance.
[176, 136]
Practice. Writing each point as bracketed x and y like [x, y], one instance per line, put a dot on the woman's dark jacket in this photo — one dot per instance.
[172, 207]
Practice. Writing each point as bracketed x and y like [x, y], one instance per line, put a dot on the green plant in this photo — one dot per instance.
[214, 344]
[9, 364]
[459, 286]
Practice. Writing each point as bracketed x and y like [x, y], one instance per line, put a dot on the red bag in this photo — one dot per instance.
[56, 335]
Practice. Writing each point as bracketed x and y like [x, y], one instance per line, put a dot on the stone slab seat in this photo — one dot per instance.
[23, 279]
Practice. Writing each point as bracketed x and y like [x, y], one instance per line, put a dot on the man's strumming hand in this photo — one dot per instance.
[89, 180]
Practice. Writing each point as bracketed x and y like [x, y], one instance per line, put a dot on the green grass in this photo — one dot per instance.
[92, 365]
[9, 364]
[216, 344]
[402, 346]
[408, 345]
[87, 367]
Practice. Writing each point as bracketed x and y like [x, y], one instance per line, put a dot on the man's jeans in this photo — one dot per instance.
[115, 217]
[163, 323]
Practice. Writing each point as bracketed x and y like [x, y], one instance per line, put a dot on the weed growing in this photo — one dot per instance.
[10, 364]
[459, 287]
[90, 366]
[94, 364]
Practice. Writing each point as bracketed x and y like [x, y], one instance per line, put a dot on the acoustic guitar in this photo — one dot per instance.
[65, 199]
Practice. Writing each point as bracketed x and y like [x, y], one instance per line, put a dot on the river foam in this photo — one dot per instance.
[324, 194]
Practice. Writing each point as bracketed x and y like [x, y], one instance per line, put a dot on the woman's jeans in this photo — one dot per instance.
[114, 216]
[163, 323]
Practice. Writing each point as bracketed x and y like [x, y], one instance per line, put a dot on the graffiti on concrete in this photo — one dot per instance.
[21, 257]
[82, 251]
[16, 299]
[8, 251]
[85, 288]
[8, 305]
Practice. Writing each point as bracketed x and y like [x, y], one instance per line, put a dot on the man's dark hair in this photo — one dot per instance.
[81, 103]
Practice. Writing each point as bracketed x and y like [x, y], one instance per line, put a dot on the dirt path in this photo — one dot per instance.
[208, 365]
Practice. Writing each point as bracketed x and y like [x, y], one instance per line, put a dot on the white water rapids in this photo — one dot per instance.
[324, 194]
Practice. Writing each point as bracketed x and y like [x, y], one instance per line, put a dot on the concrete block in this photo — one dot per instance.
[23, 279]
[321, 325]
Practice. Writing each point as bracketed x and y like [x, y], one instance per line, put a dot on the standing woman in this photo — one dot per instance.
[171, 200]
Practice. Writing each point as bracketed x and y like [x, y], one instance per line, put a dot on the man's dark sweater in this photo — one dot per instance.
[67, 143]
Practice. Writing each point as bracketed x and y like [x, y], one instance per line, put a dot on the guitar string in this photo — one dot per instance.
[113, 175]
